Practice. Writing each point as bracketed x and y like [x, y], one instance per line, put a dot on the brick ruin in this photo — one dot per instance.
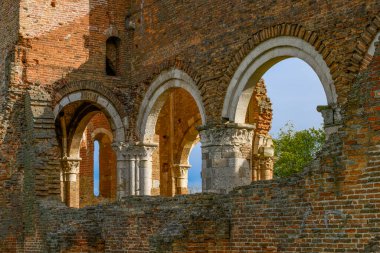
[147, 80]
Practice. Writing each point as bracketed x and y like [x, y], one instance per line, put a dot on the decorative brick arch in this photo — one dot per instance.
[67, 88]
[265, 49]
[365, 46]
[96, 94]
[156, 96]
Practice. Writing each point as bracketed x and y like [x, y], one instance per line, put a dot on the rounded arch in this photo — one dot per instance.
[118, 125]
[156, 96]
[365, 46]
[64, 89]
[101, 131]
[263, 57]
[190, 138]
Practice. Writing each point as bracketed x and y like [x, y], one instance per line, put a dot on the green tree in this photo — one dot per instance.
[296, 149]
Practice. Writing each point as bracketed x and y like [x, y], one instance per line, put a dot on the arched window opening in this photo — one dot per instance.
[96, 168]
[289, 93]
[113, 56]
[88, 160]
[195, 177]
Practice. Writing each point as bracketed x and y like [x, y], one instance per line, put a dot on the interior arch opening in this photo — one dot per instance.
[176, 133]
[88, 173]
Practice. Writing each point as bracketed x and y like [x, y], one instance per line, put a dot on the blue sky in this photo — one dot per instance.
[295, 91]
[96, 168]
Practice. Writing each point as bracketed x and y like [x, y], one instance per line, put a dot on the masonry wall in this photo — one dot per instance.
[332, 206]
[208, 36]
[204, 42]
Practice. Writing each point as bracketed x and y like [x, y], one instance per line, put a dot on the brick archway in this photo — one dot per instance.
[117, 123]
[156, 95]
[71, 141]
[263, 57]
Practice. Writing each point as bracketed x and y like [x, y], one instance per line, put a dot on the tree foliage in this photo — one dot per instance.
[296, 149]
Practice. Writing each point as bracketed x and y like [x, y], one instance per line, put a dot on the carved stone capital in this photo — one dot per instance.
[119, 146]
[142, 151]
[70, 168]
[263, 146]
[228, 134]
[182, 170]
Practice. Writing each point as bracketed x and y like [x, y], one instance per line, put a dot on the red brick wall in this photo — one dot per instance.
[203, 43]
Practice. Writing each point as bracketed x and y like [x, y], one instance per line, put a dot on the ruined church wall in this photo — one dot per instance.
[208, 39]
[332, 206]
[60, 43]
[67, 41]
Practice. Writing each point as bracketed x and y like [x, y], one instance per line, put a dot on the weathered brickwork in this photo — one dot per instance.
[54, 76]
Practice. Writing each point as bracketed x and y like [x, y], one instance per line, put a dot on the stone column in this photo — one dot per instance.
[121, 171]
[139, 168]
[131, 172]
[262, 158]
[182, 178]
[145, 159]
[226, 155]
[69, 177]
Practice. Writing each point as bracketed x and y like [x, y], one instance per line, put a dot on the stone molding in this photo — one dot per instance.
[230, 134]
[128, 150]
[331, 115]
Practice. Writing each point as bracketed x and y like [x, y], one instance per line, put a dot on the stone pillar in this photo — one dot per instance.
[332, 118]
[182, 178]
[121, 171]
[70, 180]
[262, 158]
[226, 155]
[146, 168]
[131, 172]
[139, 169]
